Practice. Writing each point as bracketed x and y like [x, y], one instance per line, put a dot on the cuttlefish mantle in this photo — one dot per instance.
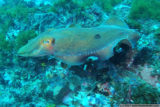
[74, 45]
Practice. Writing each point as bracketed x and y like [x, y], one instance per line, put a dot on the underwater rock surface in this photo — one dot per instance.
[130, 76]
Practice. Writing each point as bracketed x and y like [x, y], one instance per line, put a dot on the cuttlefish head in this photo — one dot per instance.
[39, 46]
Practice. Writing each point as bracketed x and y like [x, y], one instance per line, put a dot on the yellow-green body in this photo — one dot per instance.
[74, 45]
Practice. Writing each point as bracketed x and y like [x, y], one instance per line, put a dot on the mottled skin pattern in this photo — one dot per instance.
[74, 45]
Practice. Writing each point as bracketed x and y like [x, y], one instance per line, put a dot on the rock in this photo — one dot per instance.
[42, 21]
[39, 2]
[121, 10]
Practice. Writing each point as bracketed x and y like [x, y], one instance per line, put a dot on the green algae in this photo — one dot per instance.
[23, 38]
[137, 93]
[145, 94]
[5, 50]
[157, 35]
[79, 5]
[4, 44]
[145, 9]
[16, 12]
[107, 5]
[12, 12]
[51, 105]
[70, 5]
[133, 24]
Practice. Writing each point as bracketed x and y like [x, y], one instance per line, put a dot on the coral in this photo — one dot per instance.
[23, 38]
[146, 9]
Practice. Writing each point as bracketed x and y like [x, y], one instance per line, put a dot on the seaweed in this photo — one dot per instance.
[5, 50]
[145, 94]
[83, 3]
[145, 9]
[79, 5]
[58, 5]
[137, 93]
[133, 24]
[12, 12]
[23, 38]
[157, 36]
[107, 5]
[4, 44]
[20, 11]
[16, 11]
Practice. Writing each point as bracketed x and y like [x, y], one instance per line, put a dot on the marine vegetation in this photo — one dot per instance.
[80, 5]
[108, 5]
[23, 37]
[4, 44]
[157, 36]
[6, 48]
[141, 93]
[16, 12]
[146, 9]
[13, 11]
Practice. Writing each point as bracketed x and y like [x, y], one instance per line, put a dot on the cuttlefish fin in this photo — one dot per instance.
[113, 20]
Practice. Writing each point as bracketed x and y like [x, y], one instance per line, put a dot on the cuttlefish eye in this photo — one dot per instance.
[48, 43]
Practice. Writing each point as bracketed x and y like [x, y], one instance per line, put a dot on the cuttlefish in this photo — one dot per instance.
[74, 45]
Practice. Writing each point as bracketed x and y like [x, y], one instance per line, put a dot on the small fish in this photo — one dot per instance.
[74, 45]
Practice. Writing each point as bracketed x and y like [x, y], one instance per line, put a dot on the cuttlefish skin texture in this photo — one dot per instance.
[74, 45]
